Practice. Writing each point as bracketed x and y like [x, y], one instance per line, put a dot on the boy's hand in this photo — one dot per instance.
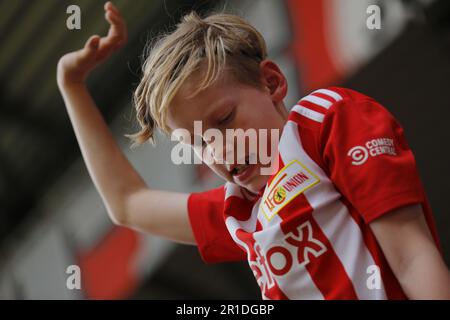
[74, 67]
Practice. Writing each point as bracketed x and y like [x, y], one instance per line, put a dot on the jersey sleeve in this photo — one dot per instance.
[205, 210]
[365, 153]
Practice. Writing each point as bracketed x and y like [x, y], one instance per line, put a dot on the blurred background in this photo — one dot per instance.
[51, 217]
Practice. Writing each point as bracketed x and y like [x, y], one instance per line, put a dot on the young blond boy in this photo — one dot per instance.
[344, 214]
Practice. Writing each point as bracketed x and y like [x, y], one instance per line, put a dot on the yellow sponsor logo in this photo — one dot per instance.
[279, 196]
[294, 179]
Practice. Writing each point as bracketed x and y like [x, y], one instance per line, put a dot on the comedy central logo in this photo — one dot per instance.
[372, 148]
[359, 155]
[289, 182]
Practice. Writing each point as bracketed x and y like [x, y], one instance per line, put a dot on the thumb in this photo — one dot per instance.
[91, 47]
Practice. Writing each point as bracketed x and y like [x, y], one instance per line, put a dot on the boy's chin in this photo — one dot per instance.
[257, 183]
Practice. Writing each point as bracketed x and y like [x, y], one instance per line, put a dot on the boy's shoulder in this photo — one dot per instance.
[313, 107]
[318, 104]
[327, 97]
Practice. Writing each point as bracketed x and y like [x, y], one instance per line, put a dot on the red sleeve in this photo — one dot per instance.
[214, 242]
[367, 156]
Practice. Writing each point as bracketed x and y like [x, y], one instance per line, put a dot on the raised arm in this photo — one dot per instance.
[127, 199]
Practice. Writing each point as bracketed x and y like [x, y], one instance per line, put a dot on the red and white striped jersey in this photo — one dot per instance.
[343, 162]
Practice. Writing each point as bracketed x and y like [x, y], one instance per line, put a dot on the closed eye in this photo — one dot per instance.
[226, 119]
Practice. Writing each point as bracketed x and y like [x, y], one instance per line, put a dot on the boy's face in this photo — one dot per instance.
[229, 104]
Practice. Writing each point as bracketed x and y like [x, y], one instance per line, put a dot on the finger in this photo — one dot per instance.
[110, 6]
[114, 19]
[117, 31]
[113, 16]
[117, 25]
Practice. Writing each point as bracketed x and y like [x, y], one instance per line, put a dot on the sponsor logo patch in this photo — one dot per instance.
[294, 179]
[372, 148]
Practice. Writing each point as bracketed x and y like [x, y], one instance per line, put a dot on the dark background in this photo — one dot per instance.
[411, 77]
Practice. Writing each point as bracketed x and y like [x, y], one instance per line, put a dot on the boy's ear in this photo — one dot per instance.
[274, 80]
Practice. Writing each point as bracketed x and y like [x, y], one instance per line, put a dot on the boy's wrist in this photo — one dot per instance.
[66, 84]
[65, 79]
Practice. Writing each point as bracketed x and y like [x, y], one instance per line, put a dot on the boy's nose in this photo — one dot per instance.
[224, 154]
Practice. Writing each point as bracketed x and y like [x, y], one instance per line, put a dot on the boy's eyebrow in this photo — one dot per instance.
[211, 111]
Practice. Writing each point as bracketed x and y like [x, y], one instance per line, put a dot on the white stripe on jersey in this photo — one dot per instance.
[297, 283]
[232, 226]
[318, 101]
[232, 190]
[233, 223]
[332, 94]
[346, 238]
[249, 225]
[335, 221]
[308, 113]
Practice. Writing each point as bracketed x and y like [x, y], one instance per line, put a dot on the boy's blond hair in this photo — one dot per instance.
[216, 43]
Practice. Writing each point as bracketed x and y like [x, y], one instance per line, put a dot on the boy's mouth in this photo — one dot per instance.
[242, 172]
[236, 169]
[240, 168]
